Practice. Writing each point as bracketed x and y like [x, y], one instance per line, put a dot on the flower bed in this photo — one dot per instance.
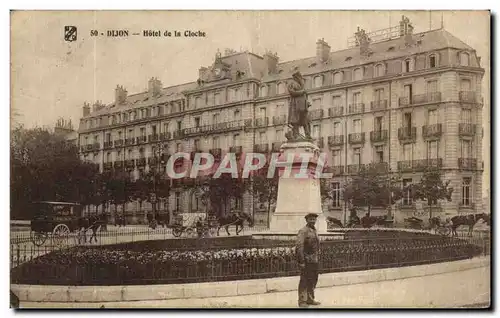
[158, 262]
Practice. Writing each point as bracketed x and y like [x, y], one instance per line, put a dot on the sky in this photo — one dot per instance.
[52, 78]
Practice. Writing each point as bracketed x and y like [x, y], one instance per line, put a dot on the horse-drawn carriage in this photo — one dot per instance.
[55, 220]
[195, 227]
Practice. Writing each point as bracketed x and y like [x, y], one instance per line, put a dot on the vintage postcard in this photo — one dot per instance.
[250, 159]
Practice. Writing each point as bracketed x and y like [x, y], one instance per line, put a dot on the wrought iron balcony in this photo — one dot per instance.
[407, 134]
[276, 146]
[382, 167]
[357, 138]
[179, 134]
[467, 129]
[141, 162]
[152, 161]
[335, 140]
[142, 139]
[467, 97]
[248, 123]
[261, 148]
[153, 137]
[236, 149]
[130, 163]
[378, 135]
[432, 131]
[335, 170]
[356, 108]
[107, 166]
[262, 122]
[316, 114]
[118, 143]
[355, 168]
[420, 99]
[130, 141]
[118, 164]
[279, 120]
[96, 146]
[336, 111]
[165, 135]
[108, 144]
[467, 163]
[378, 105]
[419, 165]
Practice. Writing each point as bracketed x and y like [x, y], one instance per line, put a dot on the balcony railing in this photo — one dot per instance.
[316, 114]
[153, 138]
[467, 163]
[107, 166]
[165, 135]
[108, 144]
[118, 164]
[262, 122]
[335, 111]
[378, 135]
[179, 134]
[118, 143]
[335, 140]
[130, 163]
[141, 162]
[279, 120]
[378, 105]
[432, 131]
[407, 134]
[355, 168]
[276, 146]
[356, 108]
[236, 149]
[261, 148]
[142, 139]
[420, 99]
[130, 141]
[335, 170]
[467, 97]
[216, 152]
[357, 138]
[419, 165]
[152, 161]
[381, 167]
[467, 129]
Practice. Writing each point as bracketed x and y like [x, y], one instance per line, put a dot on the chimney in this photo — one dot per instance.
[271, 60]
[322, 50]
[154, 86]
[120, 95]
[409, 41]
[98, 105]
[363, 41]
[86, 109]
[202, 71]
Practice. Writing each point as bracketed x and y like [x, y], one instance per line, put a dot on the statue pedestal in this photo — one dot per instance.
[298, 197]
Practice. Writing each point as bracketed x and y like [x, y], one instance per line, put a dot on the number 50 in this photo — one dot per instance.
[94, 33]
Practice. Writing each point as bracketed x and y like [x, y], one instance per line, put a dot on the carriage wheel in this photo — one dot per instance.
[177, 231]
[60, 234]
[38, 238]
[190, 232]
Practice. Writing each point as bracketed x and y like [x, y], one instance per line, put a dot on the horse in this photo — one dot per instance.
[468, 220]
[234, 219]
[333, 222]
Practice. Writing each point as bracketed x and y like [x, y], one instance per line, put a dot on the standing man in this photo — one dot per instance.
[298, 107]
[308, 258]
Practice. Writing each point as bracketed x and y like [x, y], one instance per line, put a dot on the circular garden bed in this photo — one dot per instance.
[234, 258]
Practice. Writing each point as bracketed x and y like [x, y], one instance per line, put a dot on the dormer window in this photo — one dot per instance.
[281, 88]
[263, 91]
[432, 61]
[358, 74]
[391, 49]
[337, 78]
[348, 58]
[407, 65]
[464, 59]
[318, 81]
[379, 70]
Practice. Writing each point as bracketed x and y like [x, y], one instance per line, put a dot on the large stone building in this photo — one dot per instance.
[400, 100]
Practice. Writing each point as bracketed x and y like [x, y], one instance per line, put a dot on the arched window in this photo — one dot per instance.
[263, 91]
[281, 88]
[464, 59]
[407, 65]
[318, 81]
[358, 74]
[379, 70]
[337, 78]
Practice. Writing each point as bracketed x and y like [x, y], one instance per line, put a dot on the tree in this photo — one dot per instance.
[372, 187]
[431, 188]
[141, 191]
[264, 188]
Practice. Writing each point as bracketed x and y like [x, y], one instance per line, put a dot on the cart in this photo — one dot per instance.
[54, 220]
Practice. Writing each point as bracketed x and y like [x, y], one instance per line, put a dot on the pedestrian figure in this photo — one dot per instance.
[199, 227]
[308, 259]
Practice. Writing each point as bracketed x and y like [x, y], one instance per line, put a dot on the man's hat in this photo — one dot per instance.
[311, 215]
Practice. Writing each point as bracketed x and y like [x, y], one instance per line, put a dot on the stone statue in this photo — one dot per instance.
[298, 109]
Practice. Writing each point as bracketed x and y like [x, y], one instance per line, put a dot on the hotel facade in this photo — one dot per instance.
[395, 99]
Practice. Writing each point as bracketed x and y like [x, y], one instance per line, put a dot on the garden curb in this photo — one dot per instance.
[89, 294]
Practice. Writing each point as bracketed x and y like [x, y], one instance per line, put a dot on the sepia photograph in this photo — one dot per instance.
[250, 159]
